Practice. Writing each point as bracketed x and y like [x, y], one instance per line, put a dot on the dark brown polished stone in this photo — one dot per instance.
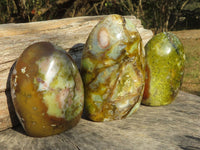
[47, 90]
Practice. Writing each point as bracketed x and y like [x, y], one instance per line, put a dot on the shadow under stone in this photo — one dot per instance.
[76, 53]
[16, 126]
[12, 113]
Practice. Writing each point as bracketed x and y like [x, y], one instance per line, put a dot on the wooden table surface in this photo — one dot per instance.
[172, 127]
[176, 126]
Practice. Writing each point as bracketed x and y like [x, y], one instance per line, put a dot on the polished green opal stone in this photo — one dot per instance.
[164, 69]
[112, 68]
[47, 90]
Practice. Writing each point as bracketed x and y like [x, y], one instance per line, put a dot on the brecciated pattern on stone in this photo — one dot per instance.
[47, 90]
[112, 68]
[164, 69]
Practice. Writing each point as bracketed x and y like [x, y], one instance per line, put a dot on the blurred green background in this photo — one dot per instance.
[181, 17]
[158, 15]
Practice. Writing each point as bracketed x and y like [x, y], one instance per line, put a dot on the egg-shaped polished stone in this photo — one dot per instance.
[112, 68]
[47, 90]
[164, 69]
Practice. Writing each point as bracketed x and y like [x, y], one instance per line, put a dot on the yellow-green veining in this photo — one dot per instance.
[113, 69]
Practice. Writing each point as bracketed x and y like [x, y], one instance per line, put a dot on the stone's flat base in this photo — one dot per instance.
[176, 126]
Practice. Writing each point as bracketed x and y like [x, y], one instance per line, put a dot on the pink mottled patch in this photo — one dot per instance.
[61, 96]
[70, 98]
[103, 38]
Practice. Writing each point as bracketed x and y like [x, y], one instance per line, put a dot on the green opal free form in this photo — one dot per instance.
[47, 90]
[164, 69]
[112, 68]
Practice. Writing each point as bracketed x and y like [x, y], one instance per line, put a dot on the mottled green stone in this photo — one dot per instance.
[113, 70]
[164, 69]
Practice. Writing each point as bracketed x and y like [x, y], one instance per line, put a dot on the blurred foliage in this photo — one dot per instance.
[159, 15]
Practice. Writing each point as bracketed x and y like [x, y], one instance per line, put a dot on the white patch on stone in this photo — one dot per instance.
[13, 94]
[14, 71]
[22, 119]
[49, 69]
[168, 77]
[123, 105]
[106, 119]
[119, 35]
[51, 72]
[184, 56]
[15, 80]
[23, 70]
[42, 86]
[27, 75]
[53, 125]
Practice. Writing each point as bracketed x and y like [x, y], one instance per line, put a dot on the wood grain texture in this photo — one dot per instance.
[70, 34]
[176, 126]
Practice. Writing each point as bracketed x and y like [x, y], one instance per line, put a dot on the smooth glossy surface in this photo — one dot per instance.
[164, 69]
[113, 70]
[47, 90]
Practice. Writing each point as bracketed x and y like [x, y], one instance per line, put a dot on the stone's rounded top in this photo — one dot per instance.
[164, 44]
[43, 48]
[112, 31]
